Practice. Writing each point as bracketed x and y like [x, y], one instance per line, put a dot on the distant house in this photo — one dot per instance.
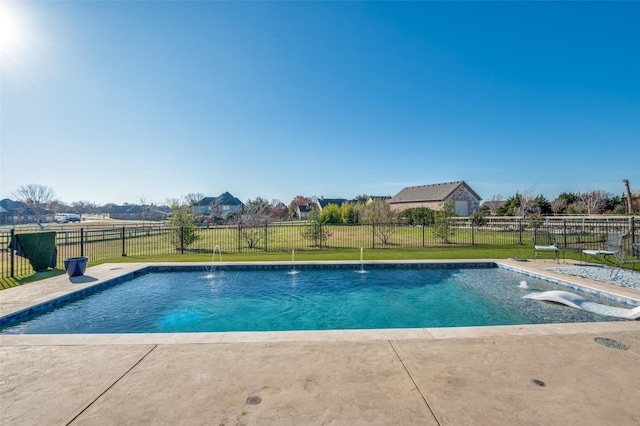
[373, 198]
[136, 212]
[493, 206]
[465, 199]
[218, 206]
[17, 212]
[302, 211]
[322, 202]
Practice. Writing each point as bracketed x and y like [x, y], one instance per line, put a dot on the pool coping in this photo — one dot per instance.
[19, 302]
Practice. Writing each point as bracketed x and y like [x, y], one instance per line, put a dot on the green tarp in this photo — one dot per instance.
[39, 248]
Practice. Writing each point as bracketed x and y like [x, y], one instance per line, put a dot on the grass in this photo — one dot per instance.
[474, 252]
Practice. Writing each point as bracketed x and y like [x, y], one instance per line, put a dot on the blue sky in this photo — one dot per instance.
[119, 101]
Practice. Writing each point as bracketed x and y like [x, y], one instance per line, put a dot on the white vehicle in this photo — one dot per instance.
[67, 217]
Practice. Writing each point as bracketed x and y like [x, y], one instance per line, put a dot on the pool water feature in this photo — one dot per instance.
[314, 299]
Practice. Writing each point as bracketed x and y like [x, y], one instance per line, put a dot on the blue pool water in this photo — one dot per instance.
[313, 299]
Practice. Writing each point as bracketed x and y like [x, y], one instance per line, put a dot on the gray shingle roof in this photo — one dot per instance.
[434, 192]
[224, 199]
[227, 199]
[324, 202]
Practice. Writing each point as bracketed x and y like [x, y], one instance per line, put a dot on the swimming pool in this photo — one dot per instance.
[312, 298]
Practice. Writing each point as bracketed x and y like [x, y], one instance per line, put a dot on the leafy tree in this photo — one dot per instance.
[362, 198]
[510, 206]
[317, 233]
[35, 196]
[183, 229]
[479, 218]
[313, 213]
[419, 216]
[330, 214]
[229, 217]
[543, 205]
[619, 209]
[569, 197]
[616, 204]
[485, 210]
[443, 228]
[349, 213]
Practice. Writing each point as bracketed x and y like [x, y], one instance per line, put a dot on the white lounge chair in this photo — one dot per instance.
[623, 259]
[612, 246]
[544, 241]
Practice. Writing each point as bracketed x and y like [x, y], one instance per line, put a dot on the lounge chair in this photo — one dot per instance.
[623, 259]
[612, 246]
[544, 241]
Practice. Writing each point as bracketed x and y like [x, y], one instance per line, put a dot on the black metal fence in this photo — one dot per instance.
[110, 243]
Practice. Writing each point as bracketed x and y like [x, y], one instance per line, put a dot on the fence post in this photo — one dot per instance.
[520, 230]
[473, 234]
[182, 240]
[632, 229]
[373, 234]
[81, 241]
[266, 232]
[423, 226]
[564, 232]
[12, 252]
[239, 238]
[124, 251]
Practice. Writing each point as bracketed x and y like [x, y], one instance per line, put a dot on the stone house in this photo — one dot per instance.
[465, 199]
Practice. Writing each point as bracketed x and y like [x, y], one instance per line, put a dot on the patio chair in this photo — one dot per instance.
[544, 241]
[612, 245]
[622, 258]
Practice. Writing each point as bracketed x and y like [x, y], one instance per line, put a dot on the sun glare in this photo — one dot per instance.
[12, 33]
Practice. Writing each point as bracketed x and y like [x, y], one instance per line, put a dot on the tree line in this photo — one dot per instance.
[40, 198]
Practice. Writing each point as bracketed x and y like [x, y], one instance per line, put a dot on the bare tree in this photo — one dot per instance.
[526, 202]
[594, 201]
[382, 218]
[558, 205]
[193, 198]
[58, 206]
[36, 197]
[279, 211]
[253, 221]
[84, 207]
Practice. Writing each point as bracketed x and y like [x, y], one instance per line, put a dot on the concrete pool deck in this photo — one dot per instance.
[526, 374]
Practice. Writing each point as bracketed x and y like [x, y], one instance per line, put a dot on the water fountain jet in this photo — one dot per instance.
[212, 269]
[293, 270]
[361, 271]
